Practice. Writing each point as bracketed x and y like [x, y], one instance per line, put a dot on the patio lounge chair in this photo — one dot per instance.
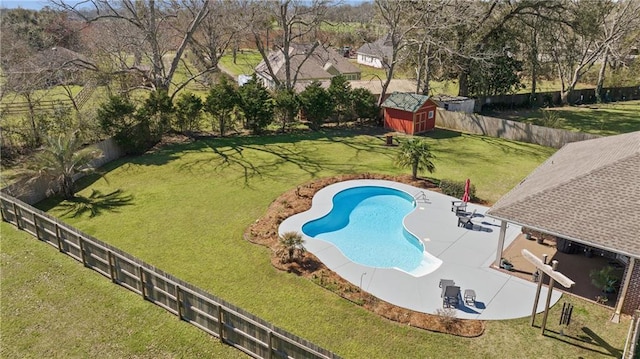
[444, 283]
[465, 219]
[451, 296]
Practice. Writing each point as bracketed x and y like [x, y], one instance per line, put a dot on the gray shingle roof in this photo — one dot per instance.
[588, 191]
[405, 101]
[381, 48]
[314, 68]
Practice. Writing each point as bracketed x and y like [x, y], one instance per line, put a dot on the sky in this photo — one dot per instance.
[25, 4]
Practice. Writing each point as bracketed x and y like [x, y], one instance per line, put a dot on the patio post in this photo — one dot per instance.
[623, 292]
[538, 289]
[503, 232]
[552, 281]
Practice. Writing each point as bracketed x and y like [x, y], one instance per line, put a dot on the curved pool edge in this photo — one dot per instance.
[322, 204]
[467, 257]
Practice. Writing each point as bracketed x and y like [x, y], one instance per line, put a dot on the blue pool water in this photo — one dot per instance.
[365, 223]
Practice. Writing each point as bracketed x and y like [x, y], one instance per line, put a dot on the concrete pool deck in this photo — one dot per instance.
[467, 256]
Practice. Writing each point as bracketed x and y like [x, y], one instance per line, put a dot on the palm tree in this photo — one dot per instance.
[415, 153]
[291, 246]
[60, 160]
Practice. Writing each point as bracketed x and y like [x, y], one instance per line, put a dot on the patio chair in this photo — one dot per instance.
[464, 220]
[444, 283]
[450, 297]
[458, 206]
[470, 296]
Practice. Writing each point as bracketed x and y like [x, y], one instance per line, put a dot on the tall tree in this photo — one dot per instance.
[398, 19]
[161, 38]
[218, 30]
[480, 21]
[188, 112]
[364, 103]
[428, 44]
[297, 23]
[316, 104]
[221, 100]
[592, 28]
[286, 107]
[617, 26]
[340, 92]
[256, 105]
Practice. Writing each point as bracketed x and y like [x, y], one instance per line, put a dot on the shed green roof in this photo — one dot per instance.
[405, 101]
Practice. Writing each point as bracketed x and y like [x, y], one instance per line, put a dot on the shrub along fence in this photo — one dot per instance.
[215, 316]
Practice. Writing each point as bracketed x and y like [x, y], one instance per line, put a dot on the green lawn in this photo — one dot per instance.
[191, 203]
[52, 307]
[600, 119]
[246, 61]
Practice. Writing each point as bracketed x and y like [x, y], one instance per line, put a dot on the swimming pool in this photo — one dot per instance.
[366, 224]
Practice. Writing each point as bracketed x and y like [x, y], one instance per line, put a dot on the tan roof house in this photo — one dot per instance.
[323, 64]
[586, 194]
[376, 54]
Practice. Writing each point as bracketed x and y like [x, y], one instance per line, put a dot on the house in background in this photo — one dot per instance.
[409, 113]
[376, 54]
[322, 65]
[586, 197]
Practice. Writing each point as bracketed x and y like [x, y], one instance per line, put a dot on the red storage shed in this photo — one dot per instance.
[409, 113]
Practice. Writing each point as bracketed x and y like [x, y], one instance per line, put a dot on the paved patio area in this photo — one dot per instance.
[576, 266]
[467, 256]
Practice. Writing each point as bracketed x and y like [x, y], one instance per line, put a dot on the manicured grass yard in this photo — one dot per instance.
[600, 119]
[192, 202]
[52, 307]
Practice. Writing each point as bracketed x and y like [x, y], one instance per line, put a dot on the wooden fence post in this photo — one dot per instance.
[35, 224]
[270, 346]
[2, 210]
[220, 324]
[82, 253]
[142, 283]
[15, 214]
[179, 298]
[58, 237]
[112, 267]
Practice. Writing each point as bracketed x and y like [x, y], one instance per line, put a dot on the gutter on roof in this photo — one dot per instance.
[565, 236]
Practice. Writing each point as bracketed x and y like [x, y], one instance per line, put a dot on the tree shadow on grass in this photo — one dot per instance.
[96, 203]
[282, 149]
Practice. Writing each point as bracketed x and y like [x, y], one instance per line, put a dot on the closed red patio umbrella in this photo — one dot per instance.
[465, 197]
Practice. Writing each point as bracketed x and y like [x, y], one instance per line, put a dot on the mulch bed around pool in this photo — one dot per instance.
[265, 232]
